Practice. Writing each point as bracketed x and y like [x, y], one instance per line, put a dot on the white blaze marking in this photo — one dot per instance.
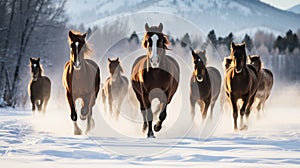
[77, 58]
[154, 59]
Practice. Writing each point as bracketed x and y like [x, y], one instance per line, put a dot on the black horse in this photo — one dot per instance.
[241, 82]
[265, 82]
[205, 85]
[39, 86]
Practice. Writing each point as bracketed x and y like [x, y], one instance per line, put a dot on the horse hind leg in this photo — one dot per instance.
[192, 104]
[104, 100]
[85, 109]
[90, 123]
[45, 105]
[77, 130]
[212, 105]
[40, 105]
[205, 109]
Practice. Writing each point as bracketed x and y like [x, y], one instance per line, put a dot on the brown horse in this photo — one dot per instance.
[241, 82]
[115, 88]
[265, 83]
[155, 75]
[81, 79]
[39, 86]
[205, 85]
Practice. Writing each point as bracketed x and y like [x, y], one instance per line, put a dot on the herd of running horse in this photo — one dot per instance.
[155, 75]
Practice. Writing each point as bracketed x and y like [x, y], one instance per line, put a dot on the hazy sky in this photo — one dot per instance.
[282, 4]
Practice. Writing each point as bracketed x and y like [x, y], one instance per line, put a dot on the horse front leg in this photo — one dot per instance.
[206, 105]
[104, 100]
[235, 111]
[192, 105]
[162, 117]
[85, 109]
[33, 103]
[77, 130]
[243, 126]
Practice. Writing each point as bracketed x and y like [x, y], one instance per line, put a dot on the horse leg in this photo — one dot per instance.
[162, 117]
[45, 104]
[243, 110]
[235, 111]
[33, 103]
[212, 105]
[104, 100]
[85, 109]
[248, 110]
[72, 107]
[204, 112]
[110, 103]
[40, 105]
[90, 122]
[192, 104]
[77, 130]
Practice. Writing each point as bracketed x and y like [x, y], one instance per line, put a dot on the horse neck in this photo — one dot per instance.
[116, 75]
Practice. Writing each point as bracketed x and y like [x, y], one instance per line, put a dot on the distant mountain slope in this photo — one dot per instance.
[295, 9]
[221, 15]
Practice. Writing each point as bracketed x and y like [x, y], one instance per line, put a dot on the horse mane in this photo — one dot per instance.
[165, 38]
[86, 50]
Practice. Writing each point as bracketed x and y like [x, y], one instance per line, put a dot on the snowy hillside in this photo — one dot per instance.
[222, 15]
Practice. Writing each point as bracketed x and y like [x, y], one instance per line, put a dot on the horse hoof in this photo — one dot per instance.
[74, 117]
[145, 126]
[83, 117]
[151, 135]
[157, 127]
[244, 128]
[77, 132]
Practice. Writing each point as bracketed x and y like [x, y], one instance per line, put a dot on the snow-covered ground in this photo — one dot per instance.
[35, 140]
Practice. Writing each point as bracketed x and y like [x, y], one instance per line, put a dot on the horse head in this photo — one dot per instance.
[156, 43]
[255, 61]
[199, 59]
[238, 56]
[36, 69]
[77, 46]
[114, 66]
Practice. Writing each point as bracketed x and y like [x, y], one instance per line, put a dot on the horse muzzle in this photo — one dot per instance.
[77, 66]
[154, 62]
[238, 70]
[199, 78]
[34, 77]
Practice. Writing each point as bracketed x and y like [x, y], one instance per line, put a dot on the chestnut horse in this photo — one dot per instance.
[115, 88]
[81, 79]
[241, 82]
[205, 85]
[265, 83]
[155, 75]
[39, 87]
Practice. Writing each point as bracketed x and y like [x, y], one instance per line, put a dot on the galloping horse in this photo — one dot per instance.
[241, 82]
[265, 82]
[39, 87]
[81, 79]
[115, 87]
[155, 75]
[205, 85]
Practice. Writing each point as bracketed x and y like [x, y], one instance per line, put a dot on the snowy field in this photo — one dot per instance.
[35, 140]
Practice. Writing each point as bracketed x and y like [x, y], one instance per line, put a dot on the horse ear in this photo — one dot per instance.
[117, 59]
[244, 44]
[38, 59]
[31, 59]
[160, 27]
[71, 34]
[204, 52]
[232, 45]
[194, 54]
[84, 35]
[147, 28]
[109, 60]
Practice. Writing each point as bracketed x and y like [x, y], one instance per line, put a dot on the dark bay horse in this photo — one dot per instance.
[115, 88]
[155, 75]
[39, 86]
[205, 85]
[81, 79]
[241, 82]
[265, 83]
